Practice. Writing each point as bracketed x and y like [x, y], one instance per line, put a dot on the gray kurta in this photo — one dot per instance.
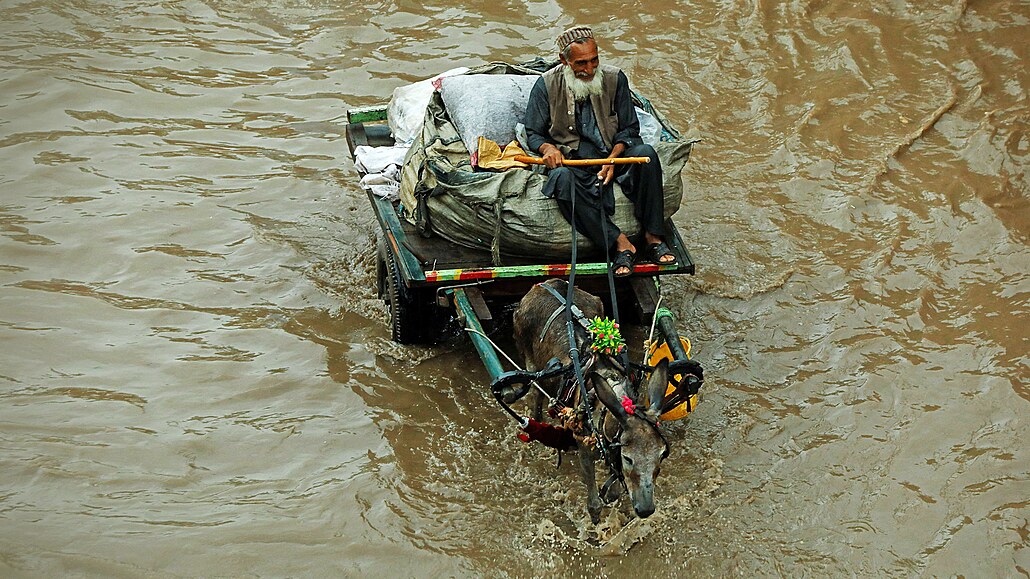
[594, 203]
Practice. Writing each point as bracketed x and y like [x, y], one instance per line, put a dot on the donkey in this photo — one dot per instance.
[630, 423]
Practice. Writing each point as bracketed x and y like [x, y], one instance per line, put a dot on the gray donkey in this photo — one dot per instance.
[630, 424]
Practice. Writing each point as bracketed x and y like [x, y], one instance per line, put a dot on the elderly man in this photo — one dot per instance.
[582, 110]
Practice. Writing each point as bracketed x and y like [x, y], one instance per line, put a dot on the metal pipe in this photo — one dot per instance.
[667, 325]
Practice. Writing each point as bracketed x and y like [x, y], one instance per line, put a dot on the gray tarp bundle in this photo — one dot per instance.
[507, 212]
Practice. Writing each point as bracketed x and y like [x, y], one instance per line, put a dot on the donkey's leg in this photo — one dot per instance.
[538, 407]
[615, 489]
[586, 469]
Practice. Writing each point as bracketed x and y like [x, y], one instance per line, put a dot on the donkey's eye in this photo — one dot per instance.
[628, 460]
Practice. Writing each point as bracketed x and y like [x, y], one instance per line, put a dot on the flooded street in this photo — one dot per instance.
[197, 377]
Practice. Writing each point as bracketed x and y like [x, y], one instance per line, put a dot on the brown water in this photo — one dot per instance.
[197, 379]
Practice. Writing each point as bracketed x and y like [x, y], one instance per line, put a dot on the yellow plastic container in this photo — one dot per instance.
[656, 354]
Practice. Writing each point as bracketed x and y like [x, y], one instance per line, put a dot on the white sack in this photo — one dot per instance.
[650, 128]
[408, 104]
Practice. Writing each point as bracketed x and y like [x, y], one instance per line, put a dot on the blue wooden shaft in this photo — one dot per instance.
[483, 346]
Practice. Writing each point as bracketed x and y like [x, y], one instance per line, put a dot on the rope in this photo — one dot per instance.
[495, 245]
[654, 321]
[574, 349]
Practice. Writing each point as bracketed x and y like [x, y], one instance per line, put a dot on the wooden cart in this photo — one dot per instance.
[426, 281]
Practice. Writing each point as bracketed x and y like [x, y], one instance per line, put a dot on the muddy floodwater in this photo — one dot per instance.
[197, 377]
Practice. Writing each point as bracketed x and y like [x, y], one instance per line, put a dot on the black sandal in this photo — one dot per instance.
[656, 251]
[624, 258]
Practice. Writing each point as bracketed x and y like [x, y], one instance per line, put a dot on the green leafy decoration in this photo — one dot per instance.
[607, 338]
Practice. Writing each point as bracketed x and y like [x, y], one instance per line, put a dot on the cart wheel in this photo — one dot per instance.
[414, 317]
[381, 269]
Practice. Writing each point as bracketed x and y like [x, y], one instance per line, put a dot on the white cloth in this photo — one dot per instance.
[382, 166]
[386, 184]
[377, 159]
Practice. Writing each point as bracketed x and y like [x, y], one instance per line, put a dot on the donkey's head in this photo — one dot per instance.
[642, 446]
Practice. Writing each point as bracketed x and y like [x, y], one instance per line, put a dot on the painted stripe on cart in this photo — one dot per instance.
[557, 269]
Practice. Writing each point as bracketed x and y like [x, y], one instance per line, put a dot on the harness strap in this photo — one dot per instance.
[557, 311]
[615, 477]
[611, 460]
[568, 388]
[573, 347]
[577, 313]
[622, 356]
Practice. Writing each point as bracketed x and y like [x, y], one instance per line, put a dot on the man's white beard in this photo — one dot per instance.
[581, 89]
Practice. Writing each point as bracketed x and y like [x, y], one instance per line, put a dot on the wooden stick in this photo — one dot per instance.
[585, 162]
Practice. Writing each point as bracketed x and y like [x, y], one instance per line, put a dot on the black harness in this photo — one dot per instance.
[611, 449]
[577, 314]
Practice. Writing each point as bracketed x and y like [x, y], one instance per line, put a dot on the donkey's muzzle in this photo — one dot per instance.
[644, 513]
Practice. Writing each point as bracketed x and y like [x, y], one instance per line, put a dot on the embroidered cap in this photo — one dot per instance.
[575, 33]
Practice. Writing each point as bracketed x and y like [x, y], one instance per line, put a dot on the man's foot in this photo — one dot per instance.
[622, 265]
[657, 251]
[660, 254]
[625, 256]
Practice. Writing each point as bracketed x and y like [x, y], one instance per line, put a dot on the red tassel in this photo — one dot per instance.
[628, 405]
[523, 437]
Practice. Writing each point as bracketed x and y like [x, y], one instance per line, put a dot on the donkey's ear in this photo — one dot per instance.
[607, 397]
[657, 384]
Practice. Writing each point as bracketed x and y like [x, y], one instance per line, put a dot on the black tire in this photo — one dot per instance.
[414, 317]
[381, 268]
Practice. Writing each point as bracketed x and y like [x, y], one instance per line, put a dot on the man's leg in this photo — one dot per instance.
[648, 198]
[562, 184]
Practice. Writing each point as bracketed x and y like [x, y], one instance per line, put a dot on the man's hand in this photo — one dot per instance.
[608, 171]
[552, 156]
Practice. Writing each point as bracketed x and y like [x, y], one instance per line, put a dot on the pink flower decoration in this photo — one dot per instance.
[628, 405]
